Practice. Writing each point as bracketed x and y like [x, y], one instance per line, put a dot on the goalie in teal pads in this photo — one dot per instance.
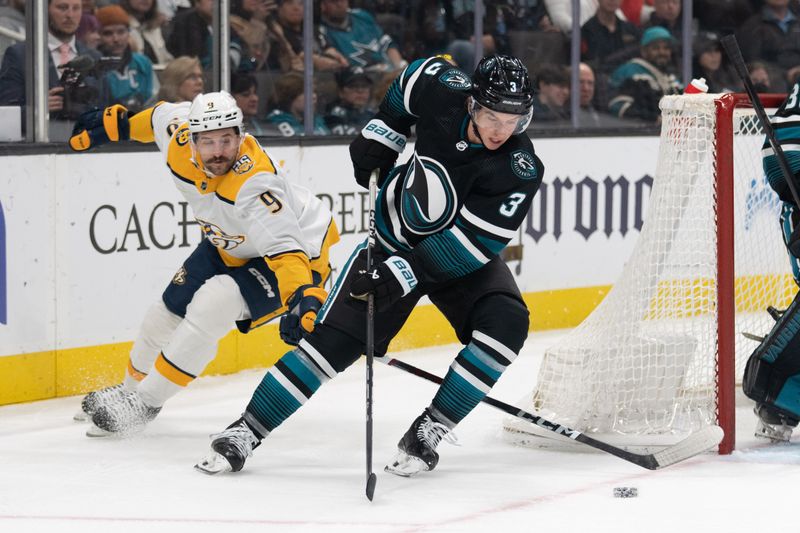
[772, 375]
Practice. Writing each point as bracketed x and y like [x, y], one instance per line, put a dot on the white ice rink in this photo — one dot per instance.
[309, 475]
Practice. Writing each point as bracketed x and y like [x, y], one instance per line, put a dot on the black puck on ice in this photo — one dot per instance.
[625, 492]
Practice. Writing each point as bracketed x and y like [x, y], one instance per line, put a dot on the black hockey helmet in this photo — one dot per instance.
[501, 83]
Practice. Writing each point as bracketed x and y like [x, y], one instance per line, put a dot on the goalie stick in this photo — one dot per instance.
[735, 55]
[692, 445]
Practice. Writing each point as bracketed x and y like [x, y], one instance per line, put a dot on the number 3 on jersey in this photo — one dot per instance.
[511, 204]
[273, 204]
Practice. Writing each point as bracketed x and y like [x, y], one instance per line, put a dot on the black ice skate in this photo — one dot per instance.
[128, 414]
[95, 399]
[230, 449]
[417, 448]
[773, 425]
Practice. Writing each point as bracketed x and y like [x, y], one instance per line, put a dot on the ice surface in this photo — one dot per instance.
[309, 475]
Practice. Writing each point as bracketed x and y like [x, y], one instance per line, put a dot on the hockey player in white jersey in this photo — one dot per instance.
[265, 252]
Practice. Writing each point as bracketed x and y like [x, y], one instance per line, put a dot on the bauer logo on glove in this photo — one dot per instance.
[389, 281]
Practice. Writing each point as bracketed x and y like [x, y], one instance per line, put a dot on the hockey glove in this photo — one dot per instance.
[96, 127]
[389, 281]
[377, 146]
[303, 307]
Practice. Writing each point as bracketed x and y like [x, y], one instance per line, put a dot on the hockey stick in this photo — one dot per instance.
[692, 445]
[735, 55]
[370, 342]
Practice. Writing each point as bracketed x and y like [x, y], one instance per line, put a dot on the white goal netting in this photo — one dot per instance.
[642, 369]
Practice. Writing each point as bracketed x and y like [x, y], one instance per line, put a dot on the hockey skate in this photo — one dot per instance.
[230, 449]
[773, 426]
[95, 399]
[128, 414]
[417, 449]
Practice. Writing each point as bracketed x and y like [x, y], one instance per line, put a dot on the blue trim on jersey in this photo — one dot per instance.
[774, 172]
[786, 227]
[381, 217]
[447, 255]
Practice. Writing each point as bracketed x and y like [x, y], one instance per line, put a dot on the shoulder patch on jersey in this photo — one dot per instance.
[182, 136]
[244, 164]
[523, 164]
[455, 79]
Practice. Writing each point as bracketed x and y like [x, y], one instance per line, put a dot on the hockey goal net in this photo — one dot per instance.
[662, 355]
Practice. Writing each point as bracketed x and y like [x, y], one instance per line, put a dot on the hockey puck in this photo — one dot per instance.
[625, 492]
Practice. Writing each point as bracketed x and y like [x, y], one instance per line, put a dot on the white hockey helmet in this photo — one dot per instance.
[214, 111]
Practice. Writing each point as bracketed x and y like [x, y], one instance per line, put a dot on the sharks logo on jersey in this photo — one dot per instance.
[219, 238]
[523, 165]
[428, 201]
[455, 79]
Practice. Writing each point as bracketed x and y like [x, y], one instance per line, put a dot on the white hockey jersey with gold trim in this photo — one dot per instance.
[252, 210]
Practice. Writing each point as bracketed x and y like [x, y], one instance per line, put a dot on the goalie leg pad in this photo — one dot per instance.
[772, 374]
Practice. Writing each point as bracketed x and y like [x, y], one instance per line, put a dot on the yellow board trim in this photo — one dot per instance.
[56, 373]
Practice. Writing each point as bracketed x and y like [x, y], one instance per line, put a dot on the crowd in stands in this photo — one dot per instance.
[143, 51]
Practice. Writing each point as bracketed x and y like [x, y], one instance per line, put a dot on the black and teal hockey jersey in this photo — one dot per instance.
[454, 205]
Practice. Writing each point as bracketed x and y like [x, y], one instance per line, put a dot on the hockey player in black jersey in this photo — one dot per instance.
[442, 218]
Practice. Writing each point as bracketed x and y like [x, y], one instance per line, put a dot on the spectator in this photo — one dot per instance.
[249, 42]
[181, 80]
[667, 14]
[607, 40]
[722, 16]
[64, 18]
[759, 75]
[191, 32]
[289, 107]
[561, 13]
[462, 48]
[590, 114]
[352, 110]
[89, 31]
[146, 30]
[287, 50]
[12, 17]
[640, 83]
[637, 12]
[772, 36]
[711, 64]
[356, 35]
[131, 82]
[552, 97]
[244, 89]
[170, 7]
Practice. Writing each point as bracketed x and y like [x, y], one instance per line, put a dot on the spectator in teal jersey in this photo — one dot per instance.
[131, 83]
[355, 34]
[289, 106]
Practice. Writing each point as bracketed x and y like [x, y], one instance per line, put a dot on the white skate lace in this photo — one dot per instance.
[240, 437]
[432, 433]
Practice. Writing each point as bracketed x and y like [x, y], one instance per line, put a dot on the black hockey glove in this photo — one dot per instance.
[388, 281]
[96, 127]
[377, 146]
[303, 307]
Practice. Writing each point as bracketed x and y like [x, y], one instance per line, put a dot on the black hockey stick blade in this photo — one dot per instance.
[371, 480]
[735, 55]
[696, 443]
